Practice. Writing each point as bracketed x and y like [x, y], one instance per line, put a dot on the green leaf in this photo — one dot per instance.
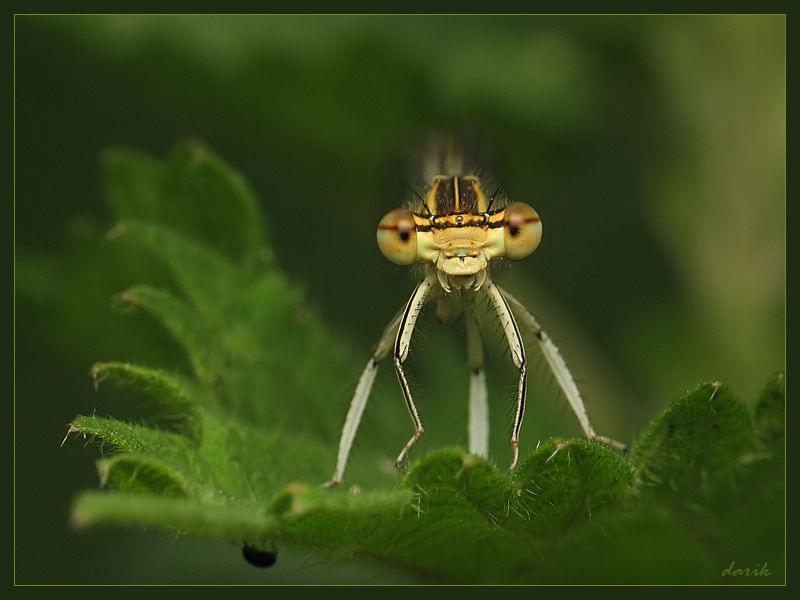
[261, 407]
[168, 396]
[203, 275]
[692, 442]
[179, 320]
[118, 436]
[193, 191]
[770, 416]
[704, 494]
[183, 515]
[140, 474]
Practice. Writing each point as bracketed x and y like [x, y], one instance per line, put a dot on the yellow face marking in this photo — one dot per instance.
[483, 203]
[430, 197]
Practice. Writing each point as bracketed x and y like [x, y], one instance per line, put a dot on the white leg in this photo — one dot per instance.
[517, 348]
[360, 397]
[560, 371]
[478, 396]
[408, 320]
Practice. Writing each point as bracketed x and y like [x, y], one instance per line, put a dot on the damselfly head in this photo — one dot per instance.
[458, 230]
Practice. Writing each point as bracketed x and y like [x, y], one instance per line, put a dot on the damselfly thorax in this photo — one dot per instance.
[457, 231]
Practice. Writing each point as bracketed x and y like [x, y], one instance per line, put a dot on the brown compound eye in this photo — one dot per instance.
[522, 230]
[397, 236]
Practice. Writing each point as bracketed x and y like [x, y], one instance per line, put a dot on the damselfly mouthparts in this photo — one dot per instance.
[456, 231]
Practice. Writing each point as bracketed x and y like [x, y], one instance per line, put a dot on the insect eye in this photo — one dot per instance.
[522, 230]
[397, 236]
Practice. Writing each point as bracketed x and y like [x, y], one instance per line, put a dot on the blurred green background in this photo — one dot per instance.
[653, 147]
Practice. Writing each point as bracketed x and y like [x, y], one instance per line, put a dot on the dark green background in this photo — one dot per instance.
[653, 148]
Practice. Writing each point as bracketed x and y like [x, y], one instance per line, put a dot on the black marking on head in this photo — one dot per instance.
[259, 558]
[498, 223]
[469, 195]
[453, 226]
[445, 200]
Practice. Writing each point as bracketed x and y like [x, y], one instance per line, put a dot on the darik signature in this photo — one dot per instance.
[759, 571]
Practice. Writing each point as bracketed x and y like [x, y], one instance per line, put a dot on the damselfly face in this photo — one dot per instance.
[458, 232]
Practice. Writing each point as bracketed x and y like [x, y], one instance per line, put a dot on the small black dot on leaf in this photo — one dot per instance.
[259, 558]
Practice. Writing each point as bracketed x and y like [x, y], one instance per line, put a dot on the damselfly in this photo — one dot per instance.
[456, 231]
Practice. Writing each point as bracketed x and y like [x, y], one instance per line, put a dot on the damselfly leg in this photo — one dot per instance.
[360, 397]
[401, 347]
[560, 371]
[517, 348]
[478, 395]
[396, 339]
